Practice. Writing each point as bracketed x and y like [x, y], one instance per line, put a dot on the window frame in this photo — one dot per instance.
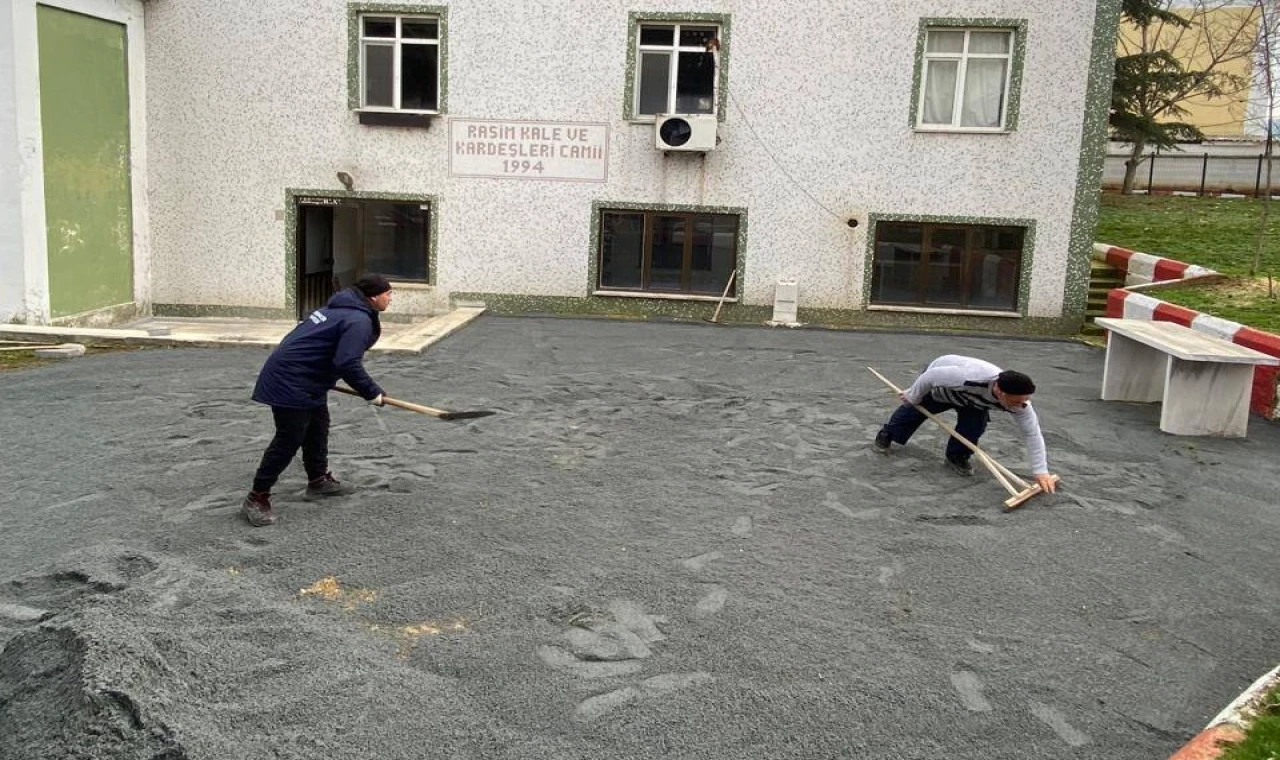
[650, 212]
[631, 90]
[1025, 263]
[356, 40]
[294, 200]
[1017, 28]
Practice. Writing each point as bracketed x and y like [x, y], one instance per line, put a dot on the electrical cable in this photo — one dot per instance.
[743, 114]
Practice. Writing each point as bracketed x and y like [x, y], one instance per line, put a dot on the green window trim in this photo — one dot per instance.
[593, 268]
[1024, 273]
[635, 18]
[1017, 61]
[356, 10]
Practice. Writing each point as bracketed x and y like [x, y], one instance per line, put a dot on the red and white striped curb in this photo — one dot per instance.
[1229, 725]
[1132, 304]
[1142, 268]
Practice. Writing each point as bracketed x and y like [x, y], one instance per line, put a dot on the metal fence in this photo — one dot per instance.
[1199, 173]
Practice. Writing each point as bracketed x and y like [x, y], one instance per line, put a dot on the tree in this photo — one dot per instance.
[1266, 60]
[1166, 57]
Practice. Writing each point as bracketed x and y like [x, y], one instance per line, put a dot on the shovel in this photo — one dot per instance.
[443, 414]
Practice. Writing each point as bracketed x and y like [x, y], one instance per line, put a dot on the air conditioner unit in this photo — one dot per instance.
[685, 131]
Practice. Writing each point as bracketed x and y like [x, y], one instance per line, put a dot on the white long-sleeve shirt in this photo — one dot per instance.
[965, 381]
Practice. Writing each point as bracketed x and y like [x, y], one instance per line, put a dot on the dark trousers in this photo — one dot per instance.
[306, 429]
[970, 423]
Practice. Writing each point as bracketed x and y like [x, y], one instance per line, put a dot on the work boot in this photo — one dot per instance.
[326, 485]
[961, 466]
[883, 441]
[256, 508]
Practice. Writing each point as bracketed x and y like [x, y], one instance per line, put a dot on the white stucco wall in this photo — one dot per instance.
[250, 100]
[21, 267]
[24, 286]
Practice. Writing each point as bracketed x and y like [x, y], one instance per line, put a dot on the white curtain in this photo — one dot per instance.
[939, 92]
[983, 100]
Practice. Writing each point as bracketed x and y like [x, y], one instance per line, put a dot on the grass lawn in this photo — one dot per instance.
[1211, 232]
[1263, 739]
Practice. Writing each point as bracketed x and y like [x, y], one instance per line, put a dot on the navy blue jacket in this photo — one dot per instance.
[329, 344]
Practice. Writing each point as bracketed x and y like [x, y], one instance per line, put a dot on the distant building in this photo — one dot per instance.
[1235, 115]
[908, 166]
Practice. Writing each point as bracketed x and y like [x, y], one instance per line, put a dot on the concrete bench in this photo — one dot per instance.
[1202, 382]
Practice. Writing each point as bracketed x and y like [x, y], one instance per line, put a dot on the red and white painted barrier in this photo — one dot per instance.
[1130, 303]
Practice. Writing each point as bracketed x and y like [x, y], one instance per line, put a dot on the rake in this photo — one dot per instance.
[1019, 490]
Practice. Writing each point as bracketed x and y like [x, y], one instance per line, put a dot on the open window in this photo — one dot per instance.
[678, 66]
[399, 76]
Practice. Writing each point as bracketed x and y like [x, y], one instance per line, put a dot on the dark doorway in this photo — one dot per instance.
[339, 239]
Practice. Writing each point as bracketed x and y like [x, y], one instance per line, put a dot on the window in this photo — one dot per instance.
[966, 79]
[399, 62]
[678, 66]
[395, 239]
[667, 252]
[947, 265]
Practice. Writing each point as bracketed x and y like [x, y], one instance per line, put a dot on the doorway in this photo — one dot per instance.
[341, 238]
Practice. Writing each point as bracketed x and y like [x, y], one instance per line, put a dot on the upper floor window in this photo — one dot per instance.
[678, 66]
[400, 62]
[965, 79]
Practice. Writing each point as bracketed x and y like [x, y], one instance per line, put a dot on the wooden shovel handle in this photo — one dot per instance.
[419, 408]
[443, 414]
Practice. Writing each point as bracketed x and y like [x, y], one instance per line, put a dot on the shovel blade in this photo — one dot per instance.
[471, 415]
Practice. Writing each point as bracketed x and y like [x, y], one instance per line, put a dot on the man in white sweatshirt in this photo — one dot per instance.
[973, 388]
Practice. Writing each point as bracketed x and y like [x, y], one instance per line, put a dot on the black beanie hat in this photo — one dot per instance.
[372, 285]
[1015, 383]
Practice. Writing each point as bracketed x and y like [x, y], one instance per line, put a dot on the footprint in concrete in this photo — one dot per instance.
[188, 464]
[561, 659]
[887, 572]
[981, 646]
[969, 686]
[253, 542]
[742, 526]
[600, 705]
[610, 642]
[1054, 720]
[605, 643]
[831, 502]
[711, 603]
[210, 503]
[698, 563]
[636, 620]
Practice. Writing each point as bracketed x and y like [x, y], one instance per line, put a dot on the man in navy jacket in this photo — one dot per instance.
[326, 346]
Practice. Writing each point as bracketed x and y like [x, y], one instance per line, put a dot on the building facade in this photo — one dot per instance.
[922, 165]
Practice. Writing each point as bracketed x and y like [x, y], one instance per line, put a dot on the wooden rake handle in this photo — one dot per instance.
[999, 471]
[443, 414]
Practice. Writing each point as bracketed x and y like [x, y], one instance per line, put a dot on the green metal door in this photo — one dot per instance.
[84, 113]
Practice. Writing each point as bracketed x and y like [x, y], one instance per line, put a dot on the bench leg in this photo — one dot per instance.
[1204, 398]
[1132, 371]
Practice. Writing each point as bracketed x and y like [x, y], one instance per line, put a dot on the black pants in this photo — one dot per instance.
[306, 429]
[970, 423]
